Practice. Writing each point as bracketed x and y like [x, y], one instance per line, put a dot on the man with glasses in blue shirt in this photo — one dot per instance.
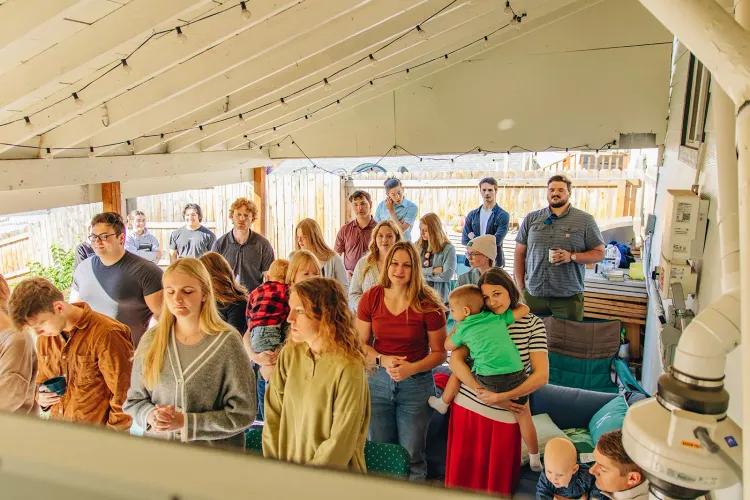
[553, 246]
[117, 283]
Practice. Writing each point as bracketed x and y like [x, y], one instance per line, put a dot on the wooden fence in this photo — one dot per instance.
[606, 194]
[28, 237]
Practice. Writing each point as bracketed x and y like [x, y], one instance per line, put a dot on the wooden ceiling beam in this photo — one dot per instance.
[447, 34]
[157, 56]
[344, 42]
[125, 110]
[539, 21]
[91, 47]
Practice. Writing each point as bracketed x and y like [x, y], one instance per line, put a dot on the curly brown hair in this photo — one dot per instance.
[324, 300]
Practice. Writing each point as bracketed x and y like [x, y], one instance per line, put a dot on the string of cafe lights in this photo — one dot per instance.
[325, 82]
[476, 149]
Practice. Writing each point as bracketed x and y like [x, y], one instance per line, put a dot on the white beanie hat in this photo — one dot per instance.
[486, 245]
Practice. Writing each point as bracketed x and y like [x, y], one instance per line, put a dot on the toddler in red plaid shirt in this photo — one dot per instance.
[267, 310]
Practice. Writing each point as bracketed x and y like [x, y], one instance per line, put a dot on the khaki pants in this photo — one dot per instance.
[559, 307]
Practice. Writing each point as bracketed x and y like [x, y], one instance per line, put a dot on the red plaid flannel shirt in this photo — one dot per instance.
[267, 305]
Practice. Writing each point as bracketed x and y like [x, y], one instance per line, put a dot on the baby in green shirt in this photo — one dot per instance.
[497, 363]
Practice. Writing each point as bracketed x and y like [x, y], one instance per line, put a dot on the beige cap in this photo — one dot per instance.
[486, 245]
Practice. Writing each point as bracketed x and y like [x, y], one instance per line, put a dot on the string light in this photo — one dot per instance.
[244, 10]
[508, 9]
[180, 35]
[76, 98]
[125, 66]
[284, 100]
[422, 33]
[486, 42]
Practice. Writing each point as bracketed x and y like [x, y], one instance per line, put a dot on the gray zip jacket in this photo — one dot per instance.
[216, 391]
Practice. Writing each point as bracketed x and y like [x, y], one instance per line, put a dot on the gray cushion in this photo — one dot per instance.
[568, 407]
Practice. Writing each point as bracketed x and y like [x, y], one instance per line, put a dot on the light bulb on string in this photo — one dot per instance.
[91, 151]
[180, 35]
[372, 83]
[125, 66]
[27, 120]
[77, 99]
[371, 60]
[327, 85]
[445, 60]
[48, 153]
[408, 74]
[244, 10]
[422, 33]
[508, 9]
[486, 42]
[283, 101]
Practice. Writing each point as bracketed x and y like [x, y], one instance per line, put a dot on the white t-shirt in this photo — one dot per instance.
[484, 218]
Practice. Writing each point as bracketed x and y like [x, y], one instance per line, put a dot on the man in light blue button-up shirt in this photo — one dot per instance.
[397, 208]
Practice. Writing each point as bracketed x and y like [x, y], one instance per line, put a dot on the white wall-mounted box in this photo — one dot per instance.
[686, 218]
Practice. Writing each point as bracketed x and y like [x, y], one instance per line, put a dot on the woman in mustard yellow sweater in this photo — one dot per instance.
[318, 401]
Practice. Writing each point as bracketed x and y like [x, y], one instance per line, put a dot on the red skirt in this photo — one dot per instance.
[483, 454]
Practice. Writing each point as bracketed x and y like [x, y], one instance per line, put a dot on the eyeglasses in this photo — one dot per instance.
[101, 237]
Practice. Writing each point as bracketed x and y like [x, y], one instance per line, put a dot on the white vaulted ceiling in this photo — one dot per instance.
[185, 94]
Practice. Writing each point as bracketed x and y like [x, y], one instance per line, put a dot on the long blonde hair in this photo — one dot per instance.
[436, 237]
[311, 231]
[210, 321]
[417, 291]
[374, 255]
[299, 259]
[324, 300]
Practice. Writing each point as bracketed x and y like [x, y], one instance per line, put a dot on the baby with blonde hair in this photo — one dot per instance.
[267, 310]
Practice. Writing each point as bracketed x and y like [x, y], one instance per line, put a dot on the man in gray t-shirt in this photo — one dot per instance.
[553, 246]
[117, 283]
[194, 239]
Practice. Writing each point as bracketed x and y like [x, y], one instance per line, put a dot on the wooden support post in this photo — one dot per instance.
[112, 197]
[259, 198]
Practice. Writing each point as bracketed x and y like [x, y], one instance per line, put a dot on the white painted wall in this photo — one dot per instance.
[676, 174]
[555, 95]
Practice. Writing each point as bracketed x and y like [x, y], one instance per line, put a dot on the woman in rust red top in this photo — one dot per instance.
[402, 326]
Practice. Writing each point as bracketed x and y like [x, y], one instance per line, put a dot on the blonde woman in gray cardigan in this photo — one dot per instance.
[191, 378]
[367, 271]
[438, 255]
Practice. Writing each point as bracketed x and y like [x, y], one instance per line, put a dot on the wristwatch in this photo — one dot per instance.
[377, 360]
[573, 257]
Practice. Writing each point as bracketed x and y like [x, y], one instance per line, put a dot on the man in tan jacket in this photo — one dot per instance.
[92, 351]
[17, 362]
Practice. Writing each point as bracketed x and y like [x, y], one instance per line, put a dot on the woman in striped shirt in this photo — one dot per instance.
[484, 440]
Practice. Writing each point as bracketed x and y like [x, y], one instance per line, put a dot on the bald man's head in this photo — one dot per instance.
[560, 461]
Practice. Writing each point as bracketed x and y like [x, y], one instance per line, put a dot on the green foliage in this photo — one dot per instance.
[60, 273]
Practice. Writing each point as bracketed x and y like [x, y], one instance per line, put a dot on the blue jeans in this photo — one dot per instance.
[260, 387]
[400, 415]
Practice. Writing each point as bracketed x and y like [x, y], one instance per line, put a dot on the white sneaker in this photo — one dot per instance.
[438, 404]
